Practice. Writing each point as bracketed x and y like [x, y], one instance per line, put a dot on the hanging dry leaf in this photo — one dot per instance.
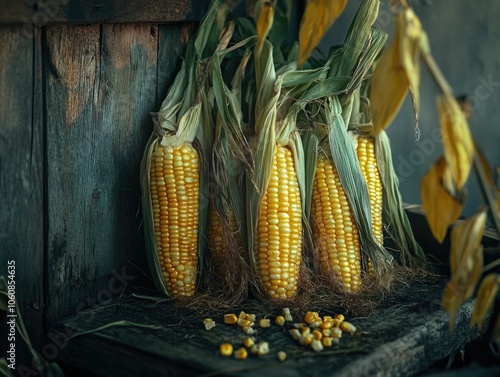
[264, 11]
[496, 331]
[457, 140]
[465, 239]
[397, 70]
[319, 15]
[440, 208]
[485, 298]
[462, 284]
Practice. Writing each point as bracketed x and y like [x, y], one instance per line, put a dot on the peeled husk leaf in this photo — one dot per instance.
[398, 70]
[485, 298]
[466, 237]
[462, 284]
[458, 144]
[318, 16]
[440, 208]
[466, 263]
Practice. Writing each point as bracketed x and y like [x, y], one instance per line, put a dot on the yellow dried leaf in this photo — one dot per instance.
[457, 140]
[319, 15]
[465, 239]
[265, 18]
[440, 208]
[485, 298]
[397, 70]
[462, 284]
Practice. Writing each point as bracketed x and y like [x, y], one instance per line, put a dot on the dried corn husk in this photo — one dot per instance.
[485, 298]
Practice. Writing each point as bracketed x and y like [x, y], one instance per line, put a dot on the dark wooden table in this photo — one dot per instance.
[405, 335]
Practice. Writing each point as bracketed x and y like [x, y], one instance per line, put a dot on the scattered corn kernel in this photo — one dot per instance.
[326, 332]
[241, 353]
[254, 350]
[316, 345]
[248, 342]
[248, 330]
[242, 315]
[347, 327]
[336, 332]
[209, 323]
[300, 325]
[327, 341]
[339, 317]
[305, 340]
[288, 316]
[265, 322]
[230, 319]
[280, 320]
[263, 348]
[281, 355]
[326, 324]
[295, 334]
[226, 349]
[317, 334]
[244, 322]
[316, 324]
[310, 317]
[327, 318]
[251, 317]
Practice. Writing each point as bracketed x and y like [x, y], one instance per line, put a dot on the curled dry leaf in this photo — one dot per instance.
[462, 284]
[485, 298]
[440, 208]
[465, 239]
[398, 70]
[319, 15]
[457, 140]
[265, 17]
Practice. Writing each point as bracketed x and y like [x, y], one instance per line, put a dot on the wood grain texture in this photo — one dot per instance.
[100, 88]
[404, 336]
[21, 171]
[42, 13]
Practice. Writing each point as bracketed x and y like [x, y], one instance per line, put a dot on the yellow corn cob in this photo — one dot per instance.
[368, 162]
[175, 190]
[217, 243]
[335, 232]
[279, 230]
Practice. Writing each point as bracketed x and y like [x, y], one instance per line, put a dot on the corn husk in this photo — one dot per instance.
[485, 298]
[398, 70]
[183, 117]
[466, 263]
[318, 16]
[440, 207]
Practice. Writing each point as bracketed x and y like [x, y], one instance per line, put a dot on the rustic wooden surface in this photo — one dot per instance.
[21, 170]
[42, 13]
[403, 337]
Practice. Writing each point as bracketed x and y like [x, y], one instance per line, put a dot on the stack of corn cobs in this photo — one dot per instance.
[263, 173]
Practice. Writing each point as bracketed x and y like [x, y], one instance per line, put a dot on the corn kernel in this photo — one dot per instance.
[254, 350]
[281, 356]
[305, 340]
[288, 316]
[316, 345]
[327, 318]
[244, 322]
[326, 332]
[339, 317]
[347, 327]
[248, 330]
[300, 325]
[305, 331]
[242, 315]
[226, 349]
[336, 332]
[251, 317]
[317, 334]
[310, 317]
[326, 325]
[241, 353]
[264, 322]
[249, 342]
[280, 320]
[315, 324]
[209, 323]
[327, 341]
[230, 319]
[263, 348]
[295, 334]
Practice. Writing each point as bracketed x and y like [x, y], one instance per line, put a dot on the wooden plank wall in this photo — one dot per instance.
[75, 103]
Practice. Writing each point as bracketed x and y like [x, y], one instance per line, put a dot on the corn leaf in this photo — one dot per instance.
[440, 208]
[318, 16]
[466, 237]
[265, 16]
[310, 145]
[461, 285]
[4, 368]
[485, 298]
[458, 144]
[398, 225]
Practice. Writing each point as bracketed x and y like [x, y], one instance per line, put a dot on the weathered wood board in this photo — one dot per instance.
[397, 340]
[21, 170]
